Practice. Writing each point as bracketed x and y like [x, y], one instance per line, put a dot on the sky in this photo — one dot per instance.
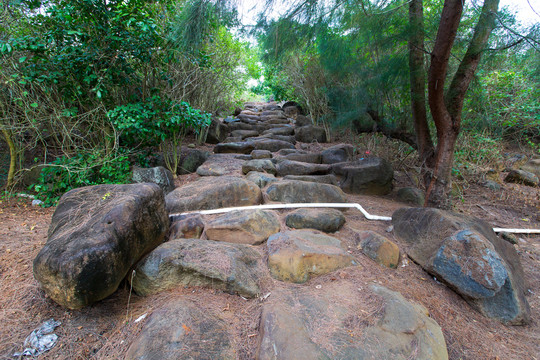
[528, 11]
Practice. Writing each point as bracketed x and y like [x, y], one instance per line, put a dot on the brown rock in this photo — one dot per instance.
[186, 227]
[243, 227]
[378, 248]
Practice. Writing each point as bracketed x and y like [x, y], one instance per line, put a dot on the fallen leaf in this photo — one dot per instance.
[186, 328]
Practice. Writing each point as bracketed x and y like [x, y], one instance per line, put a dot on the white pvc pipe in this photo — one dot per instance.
[328, 205]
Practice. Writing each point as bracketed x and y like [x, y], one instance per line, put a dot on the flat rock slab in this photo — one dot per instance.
[261, 154]
[97, 234]
[378, 248]
[243, 227]
[326, 220]
[191, 162]
[242, 147]
[260, 178]
[323, 179]
[182, 330]
[297, 255]
[522, 177]
[339, 322]
[221, 164]
[271, 145]
[193, 262]
[289, 191]
[285, 130]
[369, 176]
[313, 158]
[466, 254]
[260, 165]
[244, 133]
[290, 167]
[213, 193]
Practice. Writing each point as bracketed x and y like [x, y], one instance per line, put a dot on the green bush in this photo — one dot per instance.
[65, 174]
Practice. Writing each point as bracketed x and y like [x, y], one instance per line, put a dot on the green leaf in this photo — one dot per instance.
[34, 105]
[22, 59]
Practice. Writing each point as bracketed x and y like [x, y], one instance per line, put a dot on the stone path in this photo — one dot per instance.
[270, 255]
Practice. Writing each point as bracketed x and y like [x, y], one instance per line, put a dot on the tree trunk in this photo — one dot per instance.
[446, 111]
[12, 158]
[418, 83]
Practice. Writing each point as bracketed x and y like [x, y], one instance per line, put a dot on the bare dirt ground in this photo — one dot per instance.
[106, 329]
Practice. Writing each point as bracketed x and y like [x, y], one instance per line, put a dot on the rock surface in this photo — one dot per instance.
[310, 133]
[324, 179]
[337, 153]
[97, 234]
[522, 177]
[467, 255]
[157, 175]
[297, 255]
[186, 227]
[411, 195]
[182, 330]
[378, 248]
[290, 167]
[260, 178]
[213, 193]
[192, 160]
[243, 227]
[325, 220]
[192, 262]
[338, 322]
[260, 165]
[220, 164]
[289, 191]
[369, 176]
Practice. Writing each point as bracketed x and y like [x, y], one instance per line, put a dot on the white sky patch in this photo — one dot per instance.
[527, 11]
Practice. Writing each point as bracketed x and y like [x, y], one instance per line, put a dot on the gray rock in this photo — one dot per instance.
[193, 262]
[260, 178]
[241, 126]
[221, 164]
[337, 153]
[271, 145]
[522, 177]
[243, 227]
[260, 165]
[290, 167]
[466, 254]
[182, 330]
[411, 195]
[97, 234]
[286, 131]
[370, 176]
[310, 133]
[302, 120]
[192, 160]
[289, 139]
[324, 179]
[157, 175]
[326, 220]
[213, 193]
[352, 328]
[532, 166]
[261, 154]
[217, 132]
[313, 158]
[297, 255]
[243, 147]
[305, 192]
[492, 185]
[244, 133]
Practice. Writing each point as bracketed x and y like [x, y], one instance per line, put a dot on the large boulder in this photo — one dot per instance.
[532, 166]
[182, 329]
[289, 191]
[369, 176]
[339, 322]
[213, 193]
[310, 133]
[157, 175]
[522, 177]
[466, 254]
[297, 255]
[411, 195]
[326, 220]
[243, 227]
[290, 167]
[193, 262]
[97, 234]
[337, 153]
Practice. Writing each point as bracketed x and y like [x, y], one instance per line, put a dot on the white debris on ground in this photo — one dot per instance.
[40, 340]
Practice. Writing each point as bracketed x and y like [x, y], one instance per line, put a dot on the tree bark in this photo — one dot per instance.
[446, 111]
[12, 157]
[418, 83]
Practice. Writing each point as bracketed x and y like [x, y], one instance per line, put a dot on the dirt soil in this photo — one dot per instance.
[106, 329]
